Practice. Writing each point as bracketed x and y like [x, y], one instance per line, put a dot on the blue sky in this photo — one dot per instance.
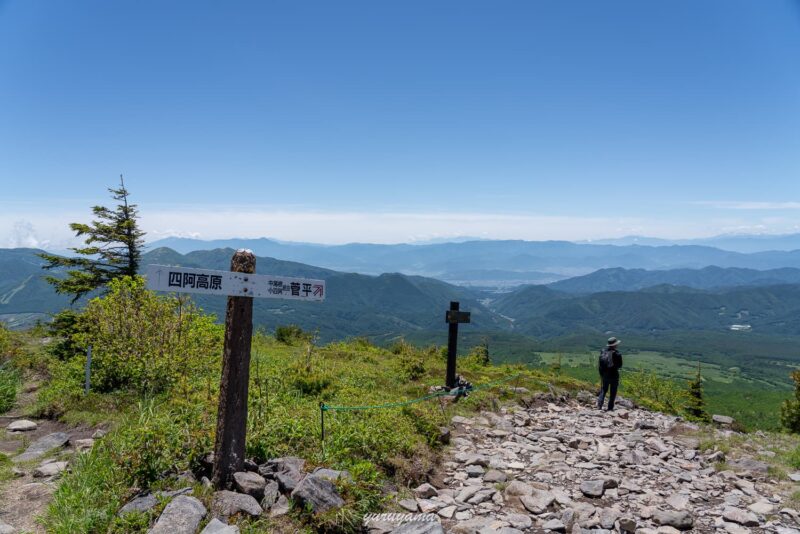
[400, 121]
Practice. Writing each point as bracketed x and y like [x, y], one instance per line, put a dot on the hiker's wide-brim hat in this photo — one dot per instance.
[613, 342]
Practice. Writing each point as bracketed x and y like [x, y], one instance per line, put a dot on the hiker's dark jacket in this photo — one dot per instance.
[616, 357]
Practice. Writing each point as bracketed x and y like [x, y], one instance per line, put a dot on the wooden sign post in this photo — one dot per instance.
[229, 446]
[453, 317]
[241, 285]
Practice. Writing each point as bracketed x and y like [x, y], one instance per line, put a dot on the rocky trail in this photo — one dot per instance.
[564, 466]
[552, 465]
[40, 451]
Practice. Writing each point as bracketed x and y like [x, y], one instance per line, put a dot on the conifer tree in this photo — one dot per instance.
[113, 247]
[696, 404]
[790, 409]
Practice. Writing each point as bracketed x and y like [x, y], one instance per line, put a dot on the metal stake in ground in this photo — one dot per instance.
[453, 317]
[229, 448]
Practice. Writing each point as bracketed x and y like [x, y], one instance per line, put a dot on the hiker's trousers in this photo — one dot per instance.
[609, 381]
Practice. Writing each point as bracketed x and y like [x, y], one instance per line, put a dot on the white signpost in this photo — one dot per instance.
[240, 285]
[232, 284]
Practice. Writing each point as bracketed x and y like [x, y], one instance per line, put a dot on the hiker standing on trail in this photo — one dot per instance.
[609, 366]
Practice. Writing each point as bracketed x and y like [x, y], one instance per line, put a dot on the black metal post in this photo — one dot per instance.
[452, 347]
[322, 426]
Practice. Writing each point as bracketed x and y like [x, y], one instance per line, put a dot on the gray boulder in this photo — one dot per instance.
[593, 488]
[215, 526]
[280, 508]
[556, 525]
[5, 528]
[181, 516]
[722, 419]
[21, 425]
[332, 474]
[538, 502]
[42, 446]
[742, 517]
[319, 494]
[139, 504]
[225, 504]
[426, 491]
[272, 493]
[250, 483]
[148, 501]
[49, 469]
[681, 520]
[287, 482]
[419, 527]
[749, 465]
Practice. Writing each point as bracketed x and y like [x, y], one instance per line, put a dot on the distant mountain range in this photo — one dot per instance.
[386, 306]
[497, 263]
[543, 312]
[745, 243]
[618, 279]
[379, 306]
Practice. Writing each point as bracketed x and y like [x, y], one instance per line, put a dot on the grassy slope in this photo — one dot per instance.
[398, 445]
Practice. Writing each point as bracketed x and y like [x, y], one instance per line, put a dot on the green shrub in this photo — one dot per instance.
[144, 341]
[291, 335]
[65, 328]
[655, 393]
[9, 383]
[790, 409]
[309, 381]
[412, 365]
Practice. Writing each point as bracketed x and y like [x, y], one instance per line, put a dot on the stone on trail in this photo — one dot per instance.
[626, 524]
[795, 477]
[317, 493]
[471, 526]
[215, 526]
[250, 483]
[408, 504]
[419, 527]
[425, 491]
[593, 488]
[681, 520]
[82, 445]
[493, 475]
[722, 419]
[5, 528]
[742, 517]
[21, 425]
[762, 508]
[521, 521]
[538, 502]
[514, 491]
[181, 516]
[555, 525]
[49, 469]
[42, 446]
[225, 504]
[749, 465]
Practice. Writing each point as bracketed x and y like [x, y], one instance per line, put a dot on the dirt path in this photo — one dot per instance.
[25, 497]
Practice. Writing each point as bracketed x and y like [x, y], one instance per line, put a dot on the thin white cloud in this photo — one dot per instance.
[336, 227]
[747, 205]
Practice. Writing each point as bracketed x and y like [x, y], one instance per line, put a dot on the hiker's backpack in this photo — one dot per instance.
[606, 360]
